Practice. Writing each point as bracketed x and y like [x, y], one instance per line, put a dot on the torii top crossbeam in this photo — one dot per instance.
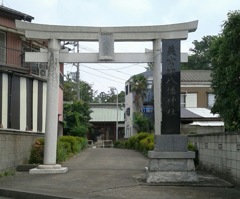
[126, 33]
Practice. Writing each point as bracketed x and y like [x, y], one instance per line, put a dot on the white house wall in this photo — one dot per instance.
[129, 130]
[4, 100]
[44, 106]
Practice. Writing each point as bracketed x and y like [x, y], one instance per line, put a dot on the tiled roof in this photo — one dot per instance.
[8, 12]
[196, 76]
[188, 75]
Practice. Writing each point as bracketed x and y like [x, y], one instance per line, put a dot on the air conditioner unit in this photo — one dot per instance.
[43, 73]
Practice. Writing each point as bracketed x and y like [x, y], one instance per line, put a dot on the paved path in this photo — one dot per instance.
[109, 173]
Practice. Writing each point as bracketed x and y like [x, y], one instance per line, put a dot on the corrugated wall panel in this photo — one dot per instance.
[23, 103]
[15, 103]
[39, 110]
[35, 105]
[29, 103]
[8, 22]
[14, 56]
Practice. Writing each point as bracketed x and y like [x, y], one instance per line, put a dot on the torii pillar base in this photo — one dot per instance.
[170, 161]
[49, 169]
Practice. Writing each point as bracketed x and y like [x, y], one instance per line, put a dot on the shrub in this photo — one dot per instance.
[37, 151]
[80, 130]
[192, 147]
[75, 145]
[144, 142]
[9, 172]
[63, 151]
[66, 147]
[120, 144]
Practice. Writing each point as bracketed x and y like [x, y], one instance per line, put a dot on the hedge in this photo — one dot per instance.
[142, 142]
[67, 146]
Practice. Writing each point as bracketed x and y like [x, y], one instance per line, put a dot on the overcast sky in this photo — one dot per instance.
[210, 13]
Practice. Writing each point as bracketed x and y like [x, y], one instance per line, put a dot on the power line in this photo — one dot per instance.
[102, 77]
[101, 72]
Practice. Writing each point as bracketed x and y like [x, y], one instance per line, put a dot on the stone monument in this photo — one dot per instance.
[170, 161]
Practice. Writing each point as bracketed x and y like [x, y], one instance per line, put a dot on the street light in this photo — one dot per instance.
[117, 113]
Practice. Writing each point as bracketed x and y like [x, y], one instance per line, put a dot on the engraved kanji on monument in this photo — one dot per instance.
[170, 86]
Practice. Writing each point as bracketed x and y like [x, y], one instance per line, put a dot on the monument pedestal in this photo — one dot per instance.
[49, 169]
[171, 161]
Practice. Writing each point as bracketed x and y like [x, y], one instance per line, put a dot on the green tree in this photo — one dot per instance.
[142, 123]
[86, 92]
[225, 72]
[70, 90]
[76, 118]
[200, 56]
[110, 97]
[101, 98]
[150, 66]
[139, 87]
[121, 97]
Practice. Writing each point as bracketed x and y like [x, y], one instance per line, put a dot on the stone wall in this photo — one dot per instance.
[15, 148]
[220, 154]
[195, 129]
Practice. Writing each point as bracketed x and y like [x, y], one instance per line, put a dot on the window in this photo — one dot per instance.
[2, 47]
[149, 84]
[189, 100]
[126, 89]
[211, 100]
[183, 100]
[128, 111]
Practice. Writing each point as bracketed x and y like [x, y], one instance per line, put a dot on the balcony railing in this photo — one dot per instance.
[11, 57]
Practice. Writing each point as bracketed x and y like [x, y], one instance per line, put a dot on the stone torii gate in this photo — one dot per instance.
[170, 147]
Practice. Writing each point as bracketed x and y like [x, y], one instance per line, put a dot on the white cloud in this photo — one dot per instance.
[132, 6]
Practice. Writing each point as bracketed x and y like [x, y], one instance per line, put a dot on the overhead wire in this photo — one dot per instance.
[107, 68]
[102, 77]
[101, 72]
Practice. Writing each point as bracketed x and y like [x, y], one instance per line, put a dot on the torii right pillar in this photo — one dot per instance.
[170, 161]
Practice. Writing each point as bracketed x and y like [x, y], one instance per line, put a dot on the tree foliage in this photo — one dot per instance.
[110, 97]
[226, 72]
[139, 87]
[142, 123]
[200, 57]
[76, 118]
[70, 90]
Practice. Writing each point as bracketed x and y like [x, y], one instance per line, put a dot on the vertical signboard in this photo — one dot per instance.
[170, 87]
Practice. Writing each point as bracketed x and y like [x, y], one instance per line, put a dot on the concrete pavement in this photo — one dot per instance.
[110, 173]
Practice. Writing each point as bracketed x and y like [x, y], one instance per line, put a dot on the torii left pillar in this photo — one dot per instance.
[50, 145]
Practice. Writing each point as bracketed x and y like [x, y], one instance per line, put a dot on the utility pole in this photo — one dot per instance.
[77, 75]
[117, 113]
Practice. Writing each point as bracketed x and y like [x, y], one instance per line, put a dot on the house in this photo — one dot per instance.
[22, 85]
[196, 89]
[196, 94]
[106, 118]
